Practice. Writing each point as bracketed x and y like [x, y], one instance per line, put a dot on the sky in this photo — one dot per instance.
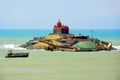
[43, 14]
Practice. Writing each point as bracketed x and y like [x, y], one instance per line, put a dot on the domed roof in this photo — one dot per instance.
[65, 27]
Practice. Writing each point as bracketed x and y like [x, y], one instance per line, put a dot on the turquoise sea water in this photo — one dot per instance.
[39, 33]
[52, 65]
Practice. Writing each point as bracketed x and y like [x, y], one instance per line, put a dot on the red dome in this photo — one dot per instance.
[65, 27]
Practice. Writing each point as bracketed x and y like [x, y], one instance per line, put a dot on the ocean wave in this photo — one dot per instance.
[116, 47]
[11, 46]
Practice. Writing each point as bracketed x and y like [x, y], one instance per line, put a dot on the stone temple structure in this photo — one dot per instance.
[59, 28]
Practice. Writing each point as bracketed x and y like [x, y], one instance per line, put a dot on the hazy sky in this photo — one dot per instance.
[43, 14]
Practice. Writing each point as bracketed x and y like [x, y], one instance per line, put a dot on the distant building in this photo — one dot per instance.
[59, 28]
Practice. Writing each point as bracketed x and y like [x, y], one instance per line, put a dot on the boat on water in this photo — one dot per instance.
[62, 40]
[10, 54]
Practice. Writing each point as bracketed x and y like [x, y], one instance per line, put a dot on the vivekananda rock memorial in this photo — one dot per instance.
[62, 40]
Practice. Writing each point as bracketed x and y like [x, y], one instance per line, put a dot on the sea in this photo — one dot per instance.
[62, 65]
[103, 33]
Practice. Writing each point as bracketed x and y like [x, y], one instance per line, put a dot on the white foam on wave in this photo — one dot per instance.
[9, 46]
[12, 46]
[116, 47]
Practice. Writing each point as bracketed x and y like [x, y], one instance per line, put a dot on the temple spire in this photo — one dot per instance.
[59, 22]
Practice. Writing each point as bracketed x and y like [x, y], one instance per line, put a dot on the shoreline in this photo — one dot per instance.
[22, 40]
